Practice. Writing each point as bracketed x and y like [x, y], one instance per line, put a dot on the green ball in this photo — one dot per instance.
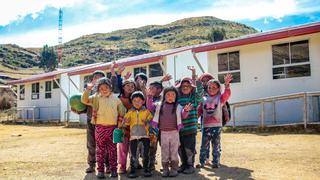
[76, 104]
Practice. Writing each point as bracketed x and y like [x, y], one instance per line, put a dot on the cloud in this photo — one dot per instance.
[13, 10]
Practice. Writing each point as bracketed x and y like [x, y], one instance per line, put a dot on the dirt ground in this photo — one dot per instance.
[55, 152]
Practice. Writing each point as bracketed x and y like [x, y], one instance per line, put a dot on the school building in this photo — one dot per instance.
[284, 62]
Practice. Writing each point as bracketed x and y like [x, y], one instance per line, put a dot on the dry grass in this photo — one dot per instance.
[55, 152]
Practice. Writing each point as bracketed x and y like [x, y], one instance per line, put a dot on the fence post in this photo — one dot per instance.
[234, 116]
[305, 110]
[274, 112]
[262, 114]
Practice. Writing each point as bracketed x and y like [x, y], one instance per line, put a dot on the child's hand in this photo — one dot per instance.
[127, 76]
[227, 79]
[191, 68]
[121, 68]
[113, 65]
[166, 77]
[91, 85]
[149, 93]
[188, 107]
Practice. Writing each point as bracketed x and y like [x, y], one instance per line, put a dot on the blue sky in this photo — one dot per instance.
[33, 23]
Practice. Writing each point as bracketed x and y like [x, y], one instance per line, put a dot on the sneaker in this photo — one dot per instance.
[147, 173]
[200, 166]
[215, 165]
[114, 174]
[132, 174]
[189, 170]
[90, 169]
[173, 173]
[101, 175]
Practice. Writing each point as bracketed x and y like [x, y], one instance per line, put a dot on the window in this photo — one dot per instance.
[48, 90]
[229, 63]
[55, 85]
[291, 60]
[35, 91]
[22, 92]
[109, 75]
[155, 70]
[139, 70]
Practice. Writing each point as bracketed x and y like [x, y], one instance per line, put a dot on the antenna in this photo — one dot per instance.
[60, 37]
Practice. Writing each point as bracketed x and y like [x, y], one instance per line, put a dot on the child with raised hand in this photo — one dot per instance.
[168, 119]
[211, 109]
[189, 93]
[106, 109]
[138, 119]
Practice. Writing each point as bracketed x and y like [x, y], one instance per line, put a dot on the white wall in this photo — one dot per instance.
[47, 109]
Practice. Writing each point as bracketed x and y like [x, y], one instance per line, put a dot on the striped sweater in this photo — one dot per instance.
[191, 122]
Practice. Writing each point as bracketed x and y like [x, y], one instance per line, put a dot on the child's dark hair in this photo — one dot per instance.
[175, 104]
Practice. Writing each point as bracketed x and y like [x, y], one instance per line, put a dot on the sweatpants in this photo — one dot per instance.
[104, 144]
[169, 148]
[187, 150]
[123, 149]
[213, 135]
[134, 156]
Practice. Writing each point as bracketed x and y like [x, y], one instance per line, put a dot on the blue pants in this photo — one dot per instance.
[213, 135]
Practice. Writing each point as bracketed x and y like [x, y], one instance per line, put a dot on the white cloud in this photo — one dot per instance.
[12, 10]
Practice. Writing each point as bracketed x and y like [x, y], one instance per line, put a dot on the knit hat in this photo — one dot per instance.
[185, 79]
[128, 81]
[214, 81]
[99, 72]
[142, 76]
[208, 75]
[104, 80]
[156, 84]
[137, 94]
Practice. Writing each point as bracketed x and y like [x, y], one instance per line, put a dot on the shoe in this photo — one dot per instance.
[139, 166]
[165, 173]
[181, 169]
[122, 171]
[173, 173]
[147, 173]
[207, 162]
[132, 174]
[200, 166]
[114, 174]
[90, 169]
[215, 166]
[101, 175]
[189, 170]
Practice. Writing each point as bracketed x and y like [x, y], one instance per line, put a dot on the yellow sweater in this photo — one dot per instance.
[105, 109]
[138, 121]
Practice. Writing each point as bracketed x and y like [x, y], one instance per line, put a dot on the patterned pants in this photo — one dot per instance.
[187, 150]
[213, 135]
[104, 144]
[169, 146]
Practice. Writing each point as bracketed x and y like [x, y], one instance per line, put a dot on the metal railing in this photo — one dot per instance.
[262, 101]
[37, 113]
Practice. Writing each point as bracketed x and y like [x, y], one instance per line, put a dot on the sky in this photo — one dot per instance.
[34, 23]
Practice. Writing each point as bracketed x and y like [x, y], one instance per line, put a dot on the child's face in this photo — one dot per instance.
[170, 97]
[129, 88]
[155, 91]
[213, 89]
[137, 102]
[104, 90]
[140, 82]
[186, 88]
[205, 81]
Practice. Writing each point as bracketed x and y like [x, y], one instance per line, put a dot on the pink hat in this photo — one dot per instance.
[205, 75]
[185, 79]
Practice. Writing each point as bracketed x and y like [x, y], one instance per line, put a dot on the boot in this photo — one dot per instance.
[90, 169]
[165, 169]
[147, 173]
[101, 175]
[132, 173]
[174, 169]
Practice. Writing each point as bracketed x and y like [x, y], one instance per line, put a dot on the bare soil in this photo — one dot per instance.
[56, 152]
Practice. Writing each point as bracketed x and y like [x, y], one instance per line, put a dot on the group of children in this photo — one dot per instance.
[152, 115]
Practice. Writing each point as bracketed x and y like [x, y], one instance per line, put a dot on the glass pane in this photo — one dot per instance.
[234, 63]
[48, 95]
[48, 86]
[222, 62]
[109, 75]
[236, 77]
[155, 70]
[299, 71]
[279, 73]
[139, 70]
[299, 52]
[280, 54]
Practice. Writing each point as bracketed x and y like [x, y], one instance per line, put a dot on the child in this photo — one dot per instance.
[128, 87]
[168, 119]
[105, 111]
[193, 95]
[137, 119]
[211, 109]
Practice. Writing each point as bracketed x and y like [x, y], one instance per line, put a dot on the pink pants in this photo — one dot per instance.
[169, 146]
[123, 149]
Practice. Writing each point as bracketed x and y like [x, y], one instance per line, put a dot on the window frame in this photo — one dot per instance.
[151, 75]
[285, 65]
[48, 93]
[222, 73]
[55, 85]
[35, 90]
[140, 67]
[22, 92]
